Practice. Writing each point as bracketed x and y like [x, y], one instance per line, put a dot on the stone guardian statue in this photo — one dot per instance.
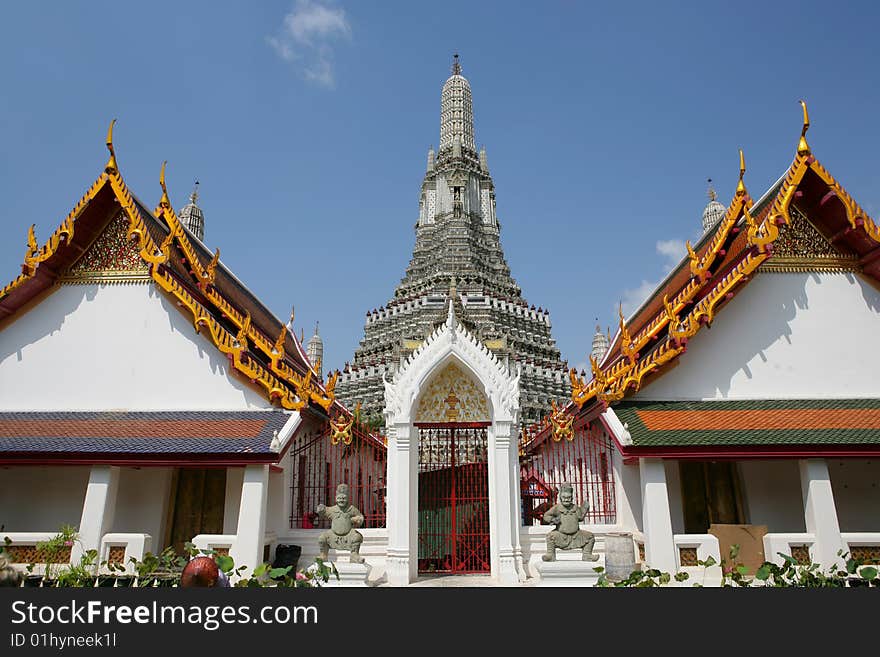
[342, 534]
[568, 535]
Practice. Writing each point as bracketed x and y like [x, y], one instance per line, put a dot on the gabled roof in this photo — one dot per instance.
[256, 343]
[830, 426]
[715, 270]
[134, 437]
[721, 265]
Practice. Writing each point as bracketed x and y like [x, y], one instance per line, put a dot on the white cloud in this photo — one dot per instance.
[633, 298]
[307, 36]
[672, 250]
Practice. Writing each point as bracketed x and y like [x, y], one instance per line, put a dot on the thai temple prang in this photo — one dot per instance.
[714, 211]
[191, 215]
[458, 257]
[315, 351]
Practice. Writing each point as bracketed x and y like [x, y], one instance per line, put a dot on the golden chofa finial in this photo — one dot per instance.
[164, 202]
[740, 186]
[803, 146]
[111, 163]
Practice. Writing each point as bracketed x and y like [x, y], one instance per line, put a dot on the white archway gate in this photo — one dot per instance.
[452, 344]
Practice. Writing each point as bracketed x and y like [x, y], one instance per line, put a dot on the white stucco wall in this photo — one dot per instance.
[673, 490]
[41, 499]
[772, 495]
[121, 347]
[276, 522]
[142, 503]
[856, 486]
[785, 336]
[234, 479]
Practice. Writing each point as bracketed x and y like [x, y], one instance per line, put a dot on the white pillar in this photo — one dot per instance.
[820, 514]
[627, 487]
[248, 547]
[656, 519]
[504, 506]
[99, 508]
[402, 506]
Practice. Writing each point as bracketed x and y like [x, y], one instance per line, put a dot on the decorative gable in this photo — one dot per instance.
[801, 247]
[111, 257]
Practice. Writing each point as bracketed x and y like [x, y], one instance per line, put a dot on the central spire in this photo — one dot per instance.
[457, 111]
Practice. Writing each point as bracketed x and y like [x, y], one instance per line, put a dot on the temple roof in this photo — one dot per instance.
[749, 238]
[807, 423]
[243, 436]
[222, 308]
[723, 262]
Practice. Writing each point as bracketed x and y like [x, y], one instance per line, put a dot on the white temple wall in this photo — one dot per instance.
[123, 346]
[772, 495]
[142, 503]
[856, 486]
[785, 336]
[673, 491]
[234, 480]
[276, 520]
[41, 498]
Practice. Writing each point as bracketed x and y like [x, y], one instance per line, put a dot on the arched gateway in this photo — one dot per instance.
[451, 414]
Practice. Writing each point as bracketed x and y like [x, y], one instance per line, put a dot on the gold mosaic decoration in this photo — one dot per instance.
[801, 247]
[111, 257]
[453, 396]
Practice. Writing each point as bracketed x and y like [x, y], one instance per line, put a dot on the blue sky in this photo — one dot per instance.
[307, 124]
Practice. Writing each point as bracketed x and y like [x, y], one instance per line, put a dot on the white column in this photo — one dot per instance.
[656, 519]
[248, 547]
[99, 508]
[820, 514]
[627, 486]
[402, 506]
[504, 507]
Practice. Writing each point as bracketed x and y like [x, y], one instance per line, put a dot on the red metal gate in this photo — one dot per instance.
[453, 498]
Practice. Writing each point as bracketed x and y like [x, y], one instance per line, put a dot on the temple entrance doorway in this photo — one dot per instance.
[453, 494]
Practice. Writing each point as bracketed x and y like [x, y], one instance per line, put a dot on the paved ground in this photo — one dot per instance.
[455, 581]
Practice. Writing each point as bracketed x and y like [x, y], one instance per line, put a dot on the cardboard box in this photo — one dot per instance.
[750, 539]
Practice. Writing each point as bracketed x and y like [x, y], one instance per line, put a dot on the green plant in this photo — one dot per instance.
[640, 578]
[315, 575]
[791, 573]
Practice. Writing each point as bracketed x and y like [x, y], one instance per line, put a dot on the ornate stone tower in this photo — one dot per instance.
[458, 256]
[191, 215]
[714, 211]
[315, 351]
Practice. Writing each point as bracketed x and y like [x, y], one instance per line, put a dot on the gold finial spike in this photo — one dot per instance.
[710, 191]
[164, 202]
[740, 186]
[292, 315]
[803, 146]
[33, 247]
[111, 163]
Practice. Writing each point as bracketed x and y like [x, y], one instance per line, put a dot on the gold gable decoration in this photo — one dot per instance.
[111, 258]
[453, 396]
[801, 247]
